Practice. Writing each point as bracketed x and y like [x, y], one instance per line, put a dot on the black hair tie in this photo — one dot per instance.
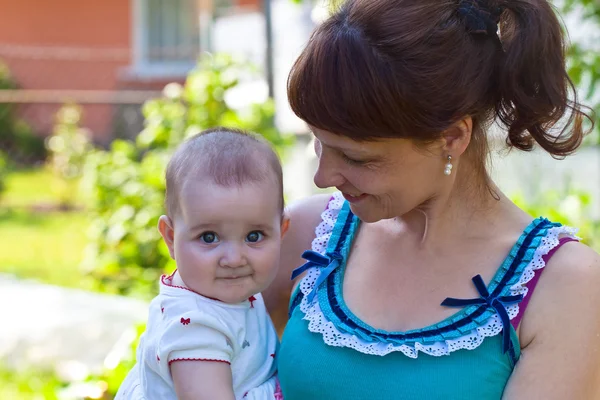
[479, 18]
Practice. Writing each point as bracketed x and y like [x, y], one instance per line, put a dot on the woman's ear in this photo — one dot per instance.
[165, 227]
[457, 137]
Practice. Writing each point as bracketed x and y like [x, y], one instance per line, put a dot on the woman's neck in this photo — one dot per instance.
[472, 207]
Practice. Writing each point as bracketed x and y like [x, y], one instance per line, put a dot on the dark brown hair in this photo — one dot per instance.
[410, 69]
[228, 157]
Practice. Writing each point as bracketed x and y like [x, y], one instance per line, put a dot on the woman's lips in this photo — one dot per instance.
[354, 199]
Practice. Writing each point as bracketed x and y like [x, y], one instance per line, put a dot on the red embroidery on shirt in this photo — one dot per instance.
[157, 358]
[273, 355]
[162, 310]
[185, 321]
[252, 299]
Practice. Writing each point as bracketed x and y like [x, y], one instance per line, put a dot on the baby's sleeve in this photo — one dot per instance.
[194, 336]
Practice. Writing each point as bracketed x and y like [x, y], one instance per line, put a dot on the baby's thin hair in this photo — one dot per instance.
[228, 157]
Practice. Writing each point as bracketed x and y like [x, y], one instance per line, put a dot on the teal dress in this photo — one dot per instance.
[327, 352]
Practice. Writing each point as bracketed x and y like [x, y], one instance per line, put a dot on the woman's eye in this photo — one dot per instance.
[255, 236]
[209, 237]
[352, 161]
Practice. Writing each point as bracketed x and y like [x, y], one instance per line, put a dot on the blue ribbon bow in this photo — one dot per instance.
[498, 303]
[329, 262]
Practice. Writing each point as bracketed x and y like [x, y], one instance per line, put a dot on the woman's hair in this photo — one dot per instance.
[410, 69]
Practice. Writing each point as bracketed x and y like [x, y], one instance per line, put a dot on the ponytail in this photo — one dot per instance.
[533, 85]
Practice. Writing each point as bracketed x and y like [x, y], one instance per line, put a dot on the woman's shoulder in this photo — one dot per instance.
[574, 267]
[576, 257]
[573, 271]
[567, 294]
[307, 211]
[305, 217]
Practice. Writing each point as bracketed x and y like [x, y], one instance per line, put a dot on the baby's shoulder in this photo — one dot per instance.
[192, 305]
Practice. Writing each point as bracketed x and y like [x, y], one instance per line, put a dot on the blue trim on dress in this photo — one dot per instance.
[328, 288]
[498, 303]
[333, 306]
[333, 257]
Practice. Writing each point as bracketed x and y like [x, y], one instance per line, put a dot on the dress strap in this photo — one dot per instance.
[533, 282]
[333, 258]
[320, 243]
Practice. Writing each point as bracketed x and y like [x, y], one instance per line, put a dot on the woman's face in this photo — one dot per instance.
[383, 179]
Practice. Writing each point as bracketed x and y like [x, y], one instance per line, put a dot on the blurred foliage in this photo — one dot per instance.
[23, 189]
[570, 207]
[69, 143]
[584, 59]
[44, 245]
[115, 372]
[37, 384]
[3, 171]
[126, 254]
[30, 384]
[16, 137]
[68, 147]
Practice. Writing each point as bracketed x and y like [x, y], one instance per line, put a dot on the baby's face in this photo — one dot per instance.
[227, 239]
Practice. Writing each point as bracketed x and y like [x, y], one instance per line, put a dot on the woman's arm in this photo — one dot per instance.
[304, 216]
[202, 380]
[560, 331]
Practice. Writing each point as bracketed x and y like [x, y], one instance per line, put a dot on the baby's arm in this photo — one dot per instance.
[200, 380]
[196, 350]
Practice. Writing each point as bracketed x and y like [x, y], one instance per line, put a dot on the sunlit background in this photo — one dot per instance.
[94, 95]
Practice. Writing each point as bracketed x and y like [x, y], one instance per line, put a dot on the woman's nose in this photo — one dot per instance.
[327, 174]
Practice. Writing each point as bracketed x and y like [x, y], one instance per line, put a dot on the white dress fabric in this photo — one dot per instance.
[183, 325]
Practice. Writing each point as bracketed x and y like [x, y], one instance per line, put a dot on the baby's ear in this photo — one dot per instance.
[285, 224]
[165, 227]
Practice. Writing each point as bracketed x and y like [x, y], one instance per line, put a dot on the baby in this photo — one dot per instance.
[209, 335]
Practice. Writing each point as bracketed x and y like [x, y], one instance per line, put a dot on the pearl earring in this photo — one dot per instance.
[448, 168]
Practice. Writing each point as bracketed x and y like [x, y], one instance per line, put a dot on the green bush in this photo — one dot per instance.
[3, 171]
[570, 207]
[69, 144]
[584, 61]
[29, 384]
[16, 136]
[68, 147]
[126, 254]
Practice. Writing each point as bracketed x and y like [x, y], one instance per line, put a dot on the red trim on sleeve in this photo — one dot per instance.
[197, 359]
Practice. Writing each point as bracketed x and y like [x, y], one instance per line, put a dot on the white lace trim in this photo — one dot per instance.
[328, 219]
[318, 323]
[549, 242]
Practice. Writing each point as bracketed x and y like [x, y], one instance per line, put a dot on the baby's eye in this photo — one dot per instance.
[255, 236]
[209, 237]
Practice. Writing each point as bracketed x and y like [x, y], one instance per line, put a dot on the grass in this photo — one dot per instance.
[37, 186]
[46, 245]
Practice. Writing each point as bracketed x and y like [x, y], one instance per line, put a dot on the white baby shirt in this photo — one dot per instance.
[183, 325]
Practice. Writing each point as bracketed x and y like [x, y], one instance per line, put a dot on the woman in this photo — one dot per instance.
[420, 282]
